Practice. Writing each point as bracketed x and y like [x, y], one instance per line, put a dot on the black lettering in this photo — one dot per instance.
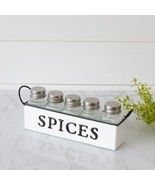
[83, 129]
[52, 121]
[94, 132]
[41, 118]
[61, 124]
[68, 128]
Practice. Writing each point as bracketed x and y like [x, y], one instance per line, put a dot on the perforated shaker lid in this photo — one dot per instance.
[112, 107]
[72, 100]
[55, 96]
[91, 103]
[38, 92]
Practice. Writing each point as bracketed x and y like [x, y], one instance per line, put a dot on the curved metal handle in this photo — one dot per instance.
[19, 93]
[128, 114]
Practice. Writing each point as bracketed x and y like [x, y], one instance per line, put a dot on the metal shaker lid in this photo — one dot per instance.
[38, 92]
[112, 107]
[91, 103]
[72, 100]
[55, 96]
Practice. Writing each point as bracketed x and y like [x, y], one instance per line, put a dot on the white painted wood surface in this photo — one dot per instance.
[92, 51]
[78, 28]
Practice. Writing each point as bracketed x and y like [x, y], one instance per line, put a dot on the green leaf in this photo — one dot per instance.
[145, 108]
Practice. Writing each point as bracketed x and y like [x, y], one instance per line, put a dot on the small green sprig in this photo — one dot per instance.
[145, 107]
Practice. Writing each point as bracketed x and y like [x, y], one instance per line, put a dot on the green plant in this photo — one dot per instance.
[144, 108]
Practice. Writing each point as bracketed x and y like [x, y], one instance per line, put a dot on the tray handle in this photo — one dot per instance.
[19, 93]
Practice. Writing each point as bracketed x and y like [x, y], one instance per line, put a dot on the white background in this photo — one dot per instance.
[76, 51]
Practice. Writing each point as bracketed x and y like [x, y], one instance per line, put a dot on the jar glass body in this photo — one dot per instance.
[91, 114]
[38, 102]
[113, 118]
[72, 110]
[55, 106]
